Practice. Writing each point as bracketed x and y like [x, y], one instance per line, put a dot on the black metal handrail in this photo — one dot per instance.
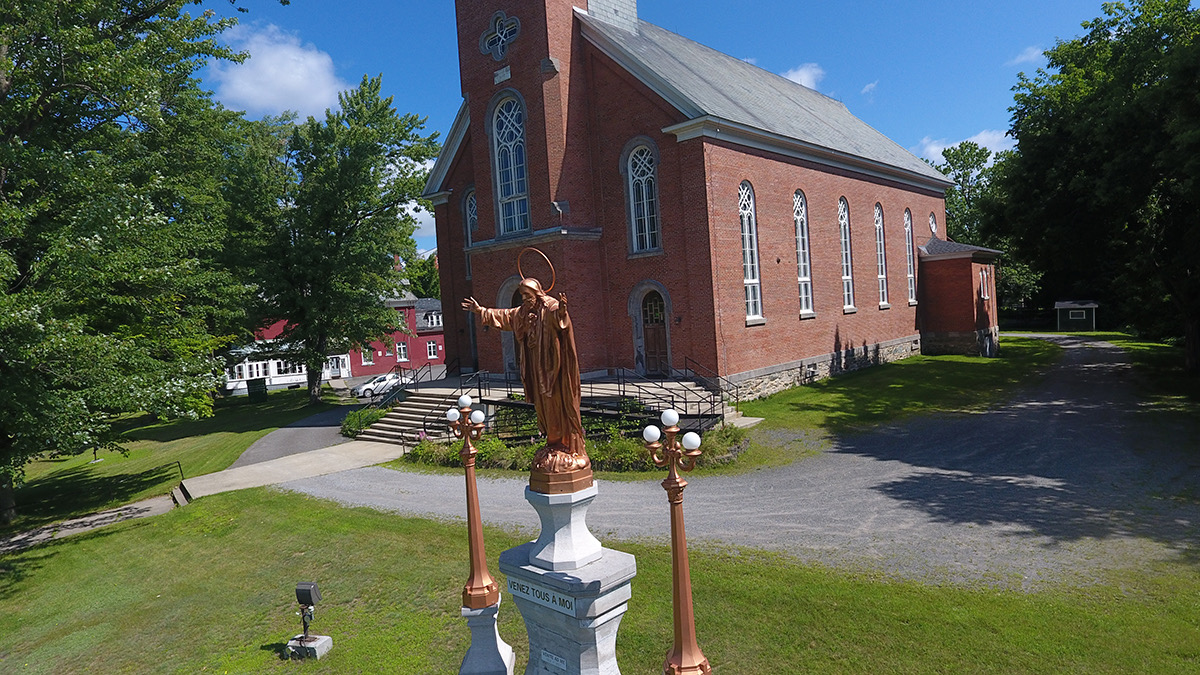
[713, 381]
[433, 422]
[177, 465]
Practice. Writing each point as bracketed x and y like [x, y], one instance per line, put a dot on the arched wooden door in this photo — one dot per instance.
[654, 332]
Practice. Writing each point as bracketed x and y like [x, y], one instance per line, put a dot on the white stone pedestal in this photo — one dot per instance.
[312, 647]
[565, 542]
[488, 655]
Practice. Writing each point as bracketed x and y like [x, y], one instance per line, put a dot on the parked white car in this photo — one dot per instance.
[380, 384]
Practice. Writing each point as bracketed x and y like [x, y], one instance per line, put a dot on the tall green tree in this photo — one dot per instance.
[110, 220]
[320, 218]
[1103, 192]
[423, 278]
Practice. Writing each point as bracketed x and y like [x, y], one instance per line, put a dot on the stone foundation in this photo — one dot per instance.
[983, 342]
[766, 381]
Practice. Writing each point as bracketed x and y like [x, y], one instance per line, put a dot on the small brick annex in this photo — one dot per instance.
[588, 98]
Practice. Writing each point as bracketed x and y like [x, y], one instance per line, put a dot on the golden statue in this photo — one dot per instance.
[542, 329]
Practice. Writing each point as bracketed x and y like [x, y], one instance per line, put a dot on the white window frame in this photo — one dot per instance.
[908, 250]
[641, 184]
[1076, 314]
[985, 278]
[401, 351]
[510, 167]
[470, 224]
[751, 282]
[803, 254]
[847, 256]
[368, 356]
[431, 349]
[881, 258]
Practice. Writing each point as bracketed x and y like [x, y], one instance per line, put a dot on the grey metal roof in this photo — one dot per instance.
[937, 246]
[1075, 304]
[428, 304]
[701, 81]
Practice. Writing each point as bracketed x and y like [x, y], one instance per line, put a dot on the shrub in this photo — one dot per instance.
[618, 453]
[358, 420]
[723, 445]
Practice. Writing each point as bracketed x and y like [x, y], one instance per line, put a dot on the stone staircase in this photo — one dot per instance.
[404, 423]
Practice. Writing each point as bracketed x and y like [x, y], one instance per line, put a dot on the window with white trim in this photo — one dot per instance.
[803, 261]
[470, 224]
[431, 349]
[642, 184]
[750, 279]
[847, 260]
[368, 356]
[401, 351]
[508, 150]
[880, 257]
[908, 250]
[985, 279]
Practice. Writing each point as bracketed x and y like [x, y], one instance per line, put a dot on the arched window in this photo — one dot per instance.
[908, 249]
[641, 171]
[880, 257]
[750, 278]
[508, 149]
[470, 224]
[803, 262]
[847, 261]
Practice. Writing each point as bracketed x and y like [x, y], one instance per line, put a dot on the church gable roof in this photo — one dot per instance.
[702, 82]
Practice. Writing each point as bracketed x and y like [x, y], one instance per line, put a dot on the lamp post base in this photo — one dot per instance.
[311, 647]
[488, 654]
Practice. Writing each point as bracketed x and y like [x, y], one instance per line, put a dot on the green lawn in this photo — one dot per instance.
[209, 589]
[916, 385]
[66, 487]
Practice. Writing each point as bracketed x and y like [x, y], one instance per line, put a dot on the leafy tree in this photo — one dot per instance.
[319, 218]
[423, 278]
[1102, 193]
[110, 218]
[966, 163]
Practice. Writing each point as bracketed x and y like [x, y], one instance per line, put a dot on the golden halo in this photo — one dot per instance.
[553, 275]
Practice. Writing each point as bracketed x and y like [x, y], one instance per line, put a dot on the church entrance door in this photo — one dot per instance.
[654, 330]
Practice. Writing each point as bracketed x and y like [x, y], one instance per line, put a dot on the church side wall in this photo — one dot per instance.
[785, 341]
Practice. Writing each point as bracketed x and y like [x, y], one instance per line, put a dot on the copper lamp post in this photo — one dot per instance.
[685, 657]
[481, 589]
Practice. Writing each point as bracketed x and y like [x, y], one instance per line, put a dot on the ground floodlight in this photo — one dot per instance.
[307, 593]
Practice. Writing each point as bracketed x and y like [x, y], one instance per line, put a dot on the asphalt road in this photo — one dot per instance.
[1066, 481]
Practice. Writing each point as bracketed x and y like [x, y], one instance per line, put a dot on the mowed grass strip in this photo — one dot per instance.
[67, 487]
[916, 385]
[209, 588]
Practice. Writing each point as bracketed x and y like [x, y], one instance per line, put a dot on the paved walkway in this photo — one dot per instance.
[1064, 482]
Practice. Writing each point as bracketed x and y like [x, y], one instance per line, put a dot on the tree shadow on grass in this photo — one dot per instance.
[20, 566]
[1063, 462]
[79, 491]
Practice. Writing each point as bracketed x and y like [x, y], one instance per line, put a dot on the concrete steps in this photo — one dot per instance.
[404, 423]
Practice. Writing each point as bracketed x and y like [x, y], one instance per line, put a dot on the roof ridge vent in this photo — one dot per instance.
[619, 13]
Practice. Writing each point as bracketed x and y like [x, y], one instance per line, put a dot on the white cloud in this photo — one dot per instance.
[807, 74]
[1028, 55]
[281, 74]
[751, 60]
[992, 139]
[870, 88]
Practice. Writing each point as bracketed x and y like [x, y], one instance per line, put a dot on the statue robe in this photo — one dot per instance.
[549, 365]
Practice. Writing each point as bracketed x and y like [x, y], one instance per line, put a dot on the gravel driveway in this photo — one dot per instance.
[1064, 482]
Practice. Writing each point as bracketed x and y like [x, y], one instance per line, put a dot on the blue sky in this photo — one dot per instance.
[926, 74]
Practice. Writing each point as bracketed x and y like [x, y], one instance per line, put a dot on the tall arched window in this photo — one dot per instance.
[470, 223]
[641, 172]
[508, 149]
[750, 278]
[803, 262]
[908, 249]
[847, 261]
[880, 257]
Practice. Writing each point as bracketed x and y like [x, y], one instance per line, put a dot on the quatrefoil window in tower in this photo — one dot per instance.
[502, 31]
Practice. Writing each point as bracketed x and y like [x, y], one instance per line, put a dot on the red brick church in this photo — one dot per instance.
[702, 213]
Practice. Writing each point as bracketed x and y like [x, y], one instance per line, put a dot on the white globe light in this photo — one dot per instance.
[691, 440]
[464, 401]
[477, 416]
[651, 434]
[453, 415]
[669, 418]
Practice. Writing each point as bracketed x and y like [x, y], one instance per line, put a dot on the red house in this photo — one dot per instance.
[703, 214]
